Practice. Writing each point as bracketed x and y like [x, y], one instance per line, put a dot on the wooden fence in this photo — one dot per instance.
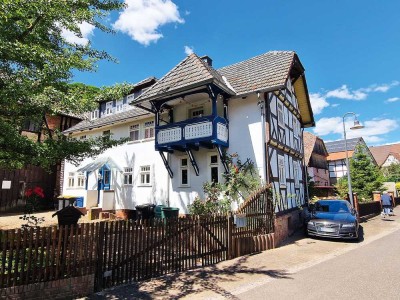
[120, 251]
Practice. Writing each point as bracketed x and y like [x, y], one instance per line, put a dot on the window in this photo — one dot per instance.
[184, 172]
[94, 114]
[281, 170]
[145, 178]
[119, 106]
[214, 172]
[281, 120]
[196, 112]
[81, 179]
[109, 108]
[149, 129]
[296, 171]
[128, 176]
[134, 132]
[106, 135]
[71, 179]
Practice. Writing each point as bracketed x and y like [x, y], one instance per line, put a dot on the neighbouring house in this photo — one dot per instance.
[337, 156]
[386, 155]
[180, 126]
[30, 176]
[315, 160]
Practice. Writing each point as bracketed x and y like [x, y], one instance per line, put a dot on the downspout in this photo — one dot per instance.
[267, 113]
[261, 104]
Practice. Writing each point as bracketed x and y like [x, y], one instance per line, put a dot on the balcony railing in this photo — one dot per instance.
[210, 130]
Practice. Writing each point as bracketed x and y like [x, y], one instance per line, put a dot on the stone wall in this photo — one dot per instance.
[68, 288]
[286, 224]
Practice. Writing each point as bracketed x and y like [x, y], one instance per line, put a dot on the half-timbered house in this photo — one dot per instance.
[256, 108]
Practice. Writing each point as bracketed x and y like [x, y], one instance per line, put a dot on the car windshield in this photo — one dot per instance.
[332, 207]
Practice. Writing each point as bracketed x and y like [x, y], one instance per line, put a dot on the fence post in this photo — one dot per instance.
[98, 283]
[229, 219]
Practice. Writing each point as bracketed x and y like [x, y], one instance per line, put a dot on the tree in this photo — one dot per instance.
[391, 172]
[365, 175]
[239, 182]
[36, 65]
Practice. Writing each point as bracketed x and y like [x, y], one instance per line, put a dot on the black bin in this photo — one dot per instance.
[145, 211]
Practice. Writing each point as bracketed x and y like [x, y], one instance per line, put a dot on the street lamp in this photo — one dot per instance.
[356, 125]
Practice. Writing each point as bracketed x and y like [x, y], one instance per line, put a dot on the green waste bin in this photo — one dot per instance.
[158, 211]
[169, 212]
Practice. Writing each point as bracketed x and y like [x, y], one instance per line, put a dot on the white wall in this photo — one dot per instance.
[245, 132]
[131, 154]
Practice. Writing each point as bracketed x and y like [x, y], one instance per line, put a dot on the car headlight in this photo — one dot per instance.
[311, 223]
[348, 225]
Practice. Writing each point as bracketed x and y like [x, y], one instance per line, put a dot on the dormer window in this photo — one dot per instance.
[109, 108]
[94, 114]
[119, 106]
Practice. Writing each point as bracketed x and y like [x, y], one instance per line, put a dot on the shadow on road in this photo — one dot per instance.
[176, 286]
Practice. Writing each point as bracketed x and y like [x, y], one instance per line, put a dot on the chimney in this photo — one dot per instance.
[207, 59]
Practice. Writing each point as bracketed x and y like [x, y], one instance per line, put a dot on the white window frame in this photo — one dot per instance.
[119, 105]
[134, 128]
[195, 112]
[184, 167]
[145, 175]
[148, 130]
[213, 165]
[81, 180]
[280, 113]
[296, 171]
[109, 108]
[281, 171]
[128, 176]
[94, 114]
[71, 179]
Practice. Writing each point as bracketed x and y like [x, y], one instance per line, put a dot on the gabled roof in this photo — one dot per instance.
[339, 146]
[192, 72]
[264, 72]
[309, 141]
[109, 120]
[381, 153]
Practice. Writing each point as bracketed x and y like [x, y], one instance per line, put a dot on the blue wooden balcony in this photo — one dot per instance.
[196, 132]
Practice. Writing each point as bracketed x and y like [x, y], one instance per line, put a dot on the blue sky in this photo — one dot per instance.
[350, 50]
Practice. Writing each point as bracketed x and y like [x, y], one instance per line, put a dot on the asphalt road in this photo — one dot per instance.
[368, 272]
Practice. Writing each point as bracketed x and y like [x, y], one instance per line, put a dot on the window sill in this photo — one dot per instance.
[144, 185]
[184, 186]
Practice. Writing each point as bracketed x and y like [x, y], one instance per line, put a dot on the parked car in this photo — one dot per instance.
[333, 219]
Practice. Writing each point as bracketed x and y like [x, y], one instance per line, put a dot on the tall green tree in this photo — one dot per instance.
[36, 71]
[365, 175]
[392, 172]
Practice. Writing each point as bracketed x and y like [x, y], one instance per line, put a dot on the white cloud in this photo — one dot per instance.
[345, 93]
[394, 99]
[188, 50]
[86, 31]
[325, 126]
[372, 132]
[318, 103]
[141, 19]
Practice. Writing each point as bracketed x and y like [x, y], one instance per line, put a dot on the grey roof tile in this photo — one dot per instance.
[190, 72]
[263, 72]
[108, 120]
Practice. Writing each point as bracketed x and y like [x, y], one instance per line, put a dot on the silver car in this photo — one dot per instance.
[333, 219]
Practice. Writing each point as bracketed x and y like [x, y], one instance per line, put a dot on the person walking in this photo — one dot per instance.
[386, 204]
